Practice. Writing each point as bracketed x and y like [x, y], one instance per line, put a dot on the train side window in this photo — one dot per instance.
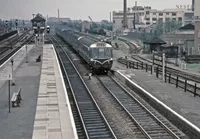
[89, 52]
[94, 53]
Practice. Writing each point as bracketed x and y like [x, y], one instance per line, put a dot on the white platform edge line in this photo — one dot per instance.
[12, 56]
[158, 101]
[66, 97]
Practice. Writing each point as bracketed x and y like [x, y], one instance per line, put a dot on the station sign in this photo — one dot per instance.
[187, 7]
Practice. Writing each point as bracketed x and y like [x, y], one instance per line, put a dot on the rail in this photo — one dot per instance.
[147, 122]
[93, 121]
[6, 56]
[133, 47]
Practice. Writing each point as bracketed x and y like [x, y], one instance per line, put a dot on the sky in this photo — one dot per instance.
[76, 9]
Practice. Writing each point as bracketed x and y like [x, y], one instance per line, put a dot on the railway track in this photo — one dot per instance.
[189, 76]
[171, 70]
[6, 52]
[90, 121]
[149, 122]
[133, 49]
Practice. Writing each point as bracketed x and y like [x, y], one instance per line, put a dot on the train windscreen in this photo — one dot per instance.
[102, 53]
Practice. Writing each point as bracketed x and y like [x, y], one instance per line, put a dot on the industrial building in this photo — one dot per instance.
[55, 19]
[197, 25]
[183, 38]
[145, 16]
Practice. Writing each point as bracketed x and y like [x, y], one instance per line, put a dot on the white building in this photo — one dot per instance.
[55, 19]
[148, 16]
[197, 25]
[85, 26]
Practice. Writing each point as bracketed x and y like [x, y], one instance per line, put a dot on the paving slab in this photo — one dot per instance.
[6, 67]
[53, 119]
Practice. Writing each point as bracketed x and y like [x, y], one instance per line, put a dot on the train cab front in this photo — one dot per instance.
[101, 65]
[101, 55]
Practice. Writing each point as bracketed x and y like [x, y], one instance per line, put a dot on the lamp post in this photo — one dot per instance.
[13, 82]
[26, 55]
[16, 23]
[9, 78]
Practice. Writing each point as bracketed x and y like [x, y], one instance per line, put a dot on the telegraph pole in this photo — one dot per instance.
[163, 68]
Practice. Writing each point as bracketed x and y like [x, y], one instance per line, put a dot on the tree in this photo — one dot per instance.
[168, 26]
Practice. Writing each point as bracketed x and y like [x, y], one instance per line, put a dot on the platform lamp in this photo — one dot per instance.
[6, 26]
[26, 55]
[13, 82]
[16, 23]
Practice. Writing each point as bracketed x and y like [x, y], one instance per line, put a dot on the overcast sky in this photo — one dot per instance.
[76, 9]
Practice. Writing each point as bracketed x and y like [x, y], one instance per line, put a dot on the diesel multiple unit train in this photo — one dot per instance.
[97, 54]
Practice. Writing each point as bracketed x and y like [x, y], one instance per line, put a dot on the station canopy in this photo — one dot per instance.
[154, 40]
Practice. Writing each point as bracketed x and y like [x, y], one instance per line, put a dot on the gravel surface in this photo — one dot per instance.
[119, 121]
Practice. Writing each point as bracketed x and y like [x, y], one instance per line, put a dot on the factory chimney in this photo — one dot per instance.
[58, 15]
[135, 14]
[192, 5]
[125, 15]
[110, 17]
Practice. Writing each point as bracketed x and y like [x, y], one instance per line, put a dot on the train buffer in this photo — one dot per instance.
[16, 98]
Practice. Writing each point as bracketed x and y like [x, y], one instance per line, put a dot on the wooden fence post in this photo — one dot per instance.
[142, 65]
[185, 87]
[146, 67]
[195, 89]
[169, 78]
[157, 72]
[177, 81]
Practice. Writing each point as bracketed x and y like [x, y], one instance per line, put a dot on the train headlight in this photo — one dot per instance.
[91, 59]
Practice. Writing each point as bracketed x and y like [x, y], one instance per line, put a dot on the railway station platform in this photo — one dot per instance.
[44, 111]
[18, 123]
[184, 103]
[53, 118]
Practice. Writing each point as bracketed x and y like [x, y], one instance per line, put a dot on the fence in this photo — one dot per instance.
[170, 77]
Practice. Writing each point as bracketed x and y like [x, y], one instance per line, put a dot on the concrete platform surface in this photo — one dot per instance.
[53, 119]
[184, 103]
[6, 67]
[19, 123]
